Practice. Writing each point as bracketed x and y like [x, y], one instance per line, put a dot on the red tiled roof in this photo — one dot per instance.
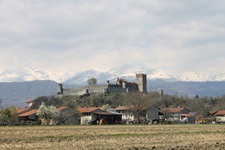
[172, 110]
[213, 112]
[87, 110]
[28, 113]
[187, 115]
[20, 110]
[62, 108]
[220, 112]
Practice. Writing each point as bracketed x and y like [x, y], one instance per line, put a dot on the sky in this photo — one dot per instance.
[174, 36]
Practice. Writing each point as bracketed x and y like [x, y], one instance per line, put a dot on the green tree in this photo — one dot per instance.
[92, 81]
[45, 113]
[8, 115]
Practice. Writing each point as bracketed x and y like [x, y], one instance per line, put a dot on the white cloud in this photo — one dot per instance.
[173, 36]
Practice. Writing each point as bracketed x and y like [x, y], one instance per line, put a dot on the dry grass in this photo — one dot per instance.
[114, 137]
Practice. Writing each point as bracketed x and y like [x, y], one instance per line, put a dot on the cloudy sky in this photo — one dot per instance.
[174, 36]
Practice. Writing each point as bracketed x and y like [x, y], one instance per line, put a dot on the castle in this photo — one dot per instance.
[121, 86]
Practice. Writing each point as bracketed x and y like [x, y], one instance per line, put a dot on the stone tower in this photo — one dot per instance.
[141, 80]
[60, 88]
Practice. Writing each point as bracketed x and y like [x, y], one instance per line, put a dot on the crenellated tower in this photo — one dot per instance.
[141, 80]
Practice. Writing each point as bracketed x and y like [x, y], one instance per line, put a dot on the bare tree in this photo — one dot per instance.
[139, 102]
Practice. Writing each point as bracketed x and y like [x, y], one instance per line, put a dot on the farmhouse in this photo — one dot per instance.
[127, 114]
[220, 116]
[94, 115]
[27, 114]
[177, 115]
[149, 113]
[67, 115]
[121, 86]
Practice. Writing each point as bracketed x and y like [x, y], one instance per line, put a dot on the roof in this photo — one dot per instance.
[87, 110]
[112, 110]
[104, 113]
[172, 110]
[212, 112]
[28, 113]
[124, 108]
[29, 101]
[187, 115]
[21, 110]
[62, 108]
[220, 112]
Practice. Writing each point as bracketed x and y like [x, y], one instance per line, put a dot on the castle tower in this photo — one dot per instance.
[141, 80]
[60, 88]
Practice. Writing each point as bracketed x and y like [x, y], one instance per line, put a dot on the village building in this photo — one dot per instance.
[68, 116]
[94, 115]
[149, 114]
[220, 116]
[29, 116]
[120, 86]
[179, 115]
[127, 114]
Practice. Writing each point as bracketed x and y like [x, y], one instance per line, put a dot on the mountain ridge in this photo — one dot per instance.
[31, 73]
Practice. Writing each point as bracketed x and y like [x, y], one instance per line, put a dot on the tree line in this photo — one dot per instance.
[200, 105]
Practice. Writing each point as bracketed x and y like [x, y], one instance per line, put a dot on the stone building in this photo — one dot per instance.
[120, 86]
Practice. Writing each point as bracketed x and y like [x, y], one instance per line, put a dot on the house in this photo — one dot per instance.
[94, 115]
[67, 116]
[152, 113]
[127, 114]
[220, 116]
[177, 115]
[149, 113]
[27, 115]
[29, 103]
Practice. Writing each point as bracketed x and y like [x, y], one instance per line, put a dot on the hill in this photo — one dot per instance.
[209, 88]
[16, 93]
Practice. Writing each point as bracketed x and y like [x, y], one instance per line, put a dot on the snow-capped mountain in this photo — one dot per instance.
[27, 73]
[30, 73]
[201, 77]
[126, 72]
[81, 78]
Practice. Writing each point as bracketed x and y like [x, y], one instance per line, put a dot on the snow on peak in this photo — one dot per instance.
[29, 73]
[201, 77]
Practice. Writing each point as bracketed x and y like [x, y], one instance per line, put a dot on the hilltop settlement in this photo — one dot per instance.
[123, 102]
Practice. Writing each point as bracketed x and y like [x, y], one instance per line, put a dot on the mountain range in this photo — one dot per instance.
[28, 82]
[31, 73]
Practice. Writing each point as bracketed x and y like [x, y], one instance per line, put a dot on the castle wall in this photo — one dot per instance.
[94, 89]
[86, 89]
[121, 86]
[116, 89]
